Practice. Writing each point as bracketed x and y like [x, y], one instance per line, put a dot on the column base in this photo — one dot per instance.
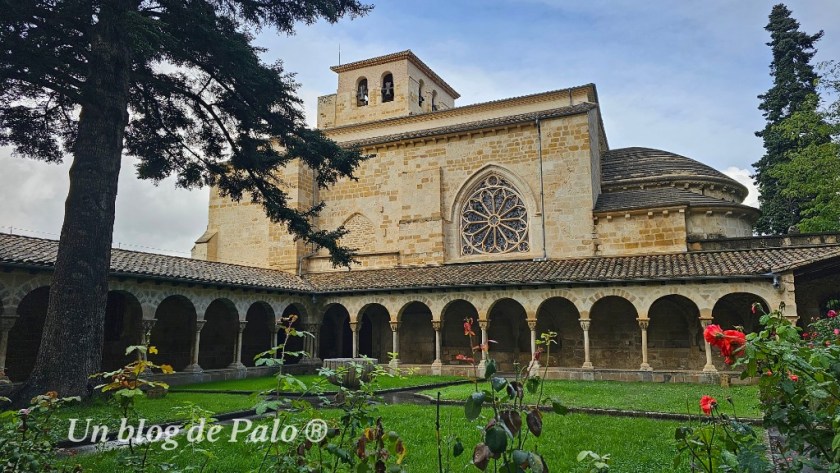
[236, 365]
[437, 367]
[645, 367]
[394, 365]
[587, 365]
[535, 369]
[709, 369]
[193, 368]
[482, 365]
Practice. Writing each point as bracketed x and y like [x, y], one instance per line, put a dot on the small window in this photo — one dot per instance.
[362, 98]
[387, 88]
[434, 101]
[420, 98]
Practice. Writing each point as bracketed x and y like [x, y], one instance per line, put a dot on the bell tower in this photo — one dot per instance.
[390, 86]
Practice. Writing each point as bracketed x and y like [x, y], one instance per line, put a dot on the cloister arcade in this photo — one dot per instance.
[637, 328]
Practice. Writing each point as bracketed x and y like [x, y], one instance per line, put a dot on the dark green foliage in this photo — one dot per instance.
[179, 86]
[794, 79]
[202, 104]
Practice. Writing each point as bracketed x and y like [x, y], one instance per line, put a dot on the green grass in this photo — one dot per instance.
[634, 444]
[157, 410]
[651, 397]
[161, 410]
[269, 382]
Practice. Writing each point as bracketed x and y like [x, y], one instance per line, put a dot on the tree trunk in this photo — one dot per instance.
[71, 346]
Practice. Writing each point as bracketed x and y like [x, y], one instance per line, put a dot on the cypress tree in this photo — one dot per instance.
[794, 80]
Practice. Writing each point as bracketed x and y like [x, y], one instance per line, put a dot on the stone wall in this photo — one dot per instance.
[646, 232]
[724, 223]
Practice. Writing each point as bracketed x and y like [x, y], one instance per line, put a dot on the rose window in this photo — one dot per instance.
[494, 219]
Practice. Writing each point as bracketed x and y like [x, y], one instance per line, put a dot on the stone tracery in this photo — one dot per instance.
[494, 219]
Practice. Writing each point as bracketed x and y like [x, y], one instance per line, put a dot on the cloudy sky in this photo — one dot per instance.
[680, 76]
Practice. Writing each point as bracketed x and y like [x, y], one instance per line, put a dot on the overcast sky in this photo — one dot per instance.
[680, 76]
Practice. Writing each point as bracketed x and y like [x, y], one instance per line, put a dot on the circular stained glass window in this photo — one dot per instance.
[494, 219]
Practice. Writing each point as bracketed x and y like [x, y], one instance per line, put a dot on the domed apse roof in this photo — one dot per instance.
[641, 164]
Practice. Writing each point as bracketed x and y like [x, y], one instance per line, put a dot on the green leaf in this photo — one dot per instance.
[496, 439]
[458, 448]
[472, 408]
[489, 369]
[498, 383]
[536, 463]
[520, 457]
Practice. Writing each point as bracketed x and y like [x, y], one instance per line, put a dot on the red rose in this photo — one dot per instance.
[712, 334]
[707, 403]
[831, 314]
[468, 327]
[793, 377]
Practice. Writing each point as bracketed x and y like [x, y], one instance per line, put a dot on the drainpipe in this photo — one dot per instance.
[542, 187]
[314, 252]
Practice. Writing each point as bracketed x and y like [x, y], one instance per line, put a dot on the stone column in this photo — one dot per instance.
[395, 344]
[237, 349]
[437, 365]
[146, 327]
[534, 364]
[274, 328]
[584, 325]
[194, 366]
[354, 327]
[6, 324]
[643, 325]
[484, 324]
[710, 367]
[315, 329]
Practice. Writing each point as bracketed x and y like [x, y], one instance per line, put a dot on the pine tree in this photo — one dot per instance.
[794, 80]
[176, 84]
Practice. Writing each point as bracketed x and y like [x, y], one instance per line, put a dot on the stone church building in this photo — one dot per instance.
[515, 213]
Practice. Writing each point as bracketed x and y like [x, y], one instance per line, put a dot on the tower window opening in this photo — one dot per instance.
[434, 101]
[387, 88]
[362, 97]
[420, 98]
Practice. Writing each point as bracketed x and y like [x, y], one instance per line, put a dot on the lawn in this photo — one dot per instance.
[651, 397]
[270, 382]
[161, 410]
[650, 447]
[158, 410]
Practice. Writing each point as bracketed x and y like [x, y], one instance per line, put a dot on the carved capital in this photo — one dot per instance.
[354, 326]
[242, 326]
[148, 325]
[436, 324]
[643, 323]
[199, 324]
[705, 322]
[584, 324]
[7, 322]
[532, 324]
[394, 326]
[483, 324]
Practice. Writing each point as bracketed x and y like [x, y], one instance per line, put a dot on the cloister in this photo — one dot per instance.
[209, 320]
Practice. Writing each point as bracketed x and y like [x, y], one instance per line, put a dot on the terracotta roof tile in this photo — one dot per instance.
[35, 252]
[663, 267]
[22, 250]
